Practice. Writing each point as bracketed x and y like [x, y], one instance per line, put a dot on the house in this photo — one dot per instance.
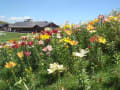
[31, 26]
[4, 27]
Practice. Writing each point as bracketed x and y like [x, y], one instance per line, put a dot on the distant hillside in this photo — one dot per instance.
[2, 22]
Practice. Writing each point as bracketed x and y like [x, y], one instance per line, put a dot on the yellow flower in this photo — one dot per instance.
[73, 25]
[111, 18]
[67, 26]
[68, 32]
[90, 27]
[96, 20]
[102, 40]
[73, 42]
[44, 37]
[10, 64]
[67, 40]
[5, 46]
[20, 54]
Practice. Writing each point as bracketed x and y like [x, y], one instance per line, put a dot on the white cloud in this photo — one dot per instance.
[2, 17]
[18, 18]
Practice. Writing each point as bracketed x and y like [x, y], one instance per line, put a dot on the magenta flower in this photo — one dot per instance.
[27, 53]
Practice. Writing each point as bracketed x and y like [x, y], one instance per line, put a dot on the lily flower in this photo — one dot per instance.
[81, 54]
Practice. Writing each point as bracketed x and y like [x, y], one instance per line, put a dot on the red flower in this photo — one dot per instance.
[34, 32]
[54, 31]
[47, 32]
[92, 39]
[23, 43]
[14, 42]
[27, 53]
[30, 43]
[15, 46]
[90, 47]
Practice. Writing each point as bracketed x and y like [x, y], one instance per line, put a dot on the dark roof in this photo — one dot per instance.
[30, 24]
[2, 25]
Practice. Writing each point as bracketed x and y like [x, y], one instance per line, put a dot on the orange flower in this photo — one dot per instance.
[68, 32]
[10, 64]
[36, 37]
[11, 41]
[73, 42]
[90, 27]
[92, 23]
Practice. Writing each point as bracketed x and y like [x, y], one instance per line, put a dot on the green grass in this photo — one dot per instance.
[10, 35]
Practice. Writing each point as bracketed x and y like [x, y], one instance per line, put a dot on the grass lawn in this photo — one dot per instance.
[9, 36]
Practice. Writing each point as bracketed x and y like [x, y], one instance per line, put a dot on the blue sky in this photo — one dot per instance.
[57, 11]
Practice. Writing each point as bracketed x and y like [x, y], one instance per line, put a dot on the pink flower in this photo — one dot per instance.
[44, 49]
[49, 47]
[1, 46]
[30, 43]
[41, 42]
[76, 26]
[27, 53]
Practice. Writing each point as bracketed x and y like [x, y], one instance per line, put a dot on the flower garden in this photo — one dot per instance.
[73, 57]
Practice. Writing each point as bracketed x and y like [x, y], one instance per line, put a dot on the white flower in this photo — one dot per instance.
[55, 67]
[50, 71]
[92, 31]
[10, 44]
[58, 35]
[81, 54]
[60, 68]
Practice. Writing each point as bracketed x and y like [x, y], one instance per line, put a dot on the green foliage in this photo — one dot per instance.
[79, 60]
